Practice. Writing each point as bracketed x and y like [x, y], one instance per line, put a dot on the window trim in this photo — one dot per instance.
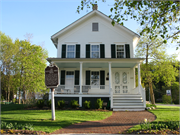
[94, 51]
[97, 28]
[71, 51]
[120, 51]
[95, 79]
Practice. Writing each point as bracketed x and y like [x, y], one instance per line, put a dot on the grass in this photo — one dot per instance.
[163, 114]
[41, 119]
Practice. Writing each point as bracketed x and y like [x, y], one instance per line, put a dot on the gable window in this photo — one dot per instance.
[94, 51]
[95, 78]
[120, 51]
[95, 27]
[70, 51]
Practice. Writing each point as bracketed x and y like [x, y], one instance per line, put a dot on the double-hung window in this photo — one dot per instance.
[95, 78]
[71, 51]
[120, 51]
[94, 51]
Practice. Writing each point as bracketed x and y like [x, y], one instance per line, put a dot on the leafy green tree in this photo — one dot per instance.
[8, 50]
[22, 66]
[160, 67]
[30, 64]
[151, 15]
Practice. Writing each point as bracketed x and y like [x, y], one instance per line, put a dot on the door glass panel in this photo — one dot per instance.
[125, 78]
[117, 89]
[117, 78]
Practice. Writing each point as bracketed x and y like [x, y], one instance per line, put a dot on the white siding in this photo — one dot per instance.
[82, 34]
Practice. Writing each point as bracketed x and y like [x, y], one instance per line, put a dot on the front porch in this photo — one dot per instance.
[98, 78]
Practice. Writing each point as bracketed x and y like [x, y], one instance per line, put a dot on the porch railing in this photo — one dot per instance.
[64, 89]
[95, 89]
[86, 89]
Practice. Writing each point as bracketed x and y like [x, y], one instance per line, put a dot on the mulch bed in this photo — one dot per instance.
[47, 108]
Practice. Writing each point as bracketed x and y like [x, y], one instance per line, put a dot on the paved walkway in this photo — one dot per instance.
[116, 123]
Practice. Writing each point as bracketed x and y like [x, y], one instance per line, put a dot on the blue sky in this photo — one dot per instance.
[43, 18]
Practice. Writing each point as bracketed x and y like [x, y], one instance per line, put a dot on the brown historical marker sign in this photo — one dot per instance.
[52, 76]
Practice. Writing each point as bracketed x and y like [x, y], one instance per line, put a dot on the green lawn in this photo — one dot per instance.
[163, 114]
[41, 119]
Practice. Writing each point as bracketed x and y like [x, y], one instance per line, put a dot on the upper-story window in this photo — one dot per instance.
[120, 51]
[71, 51]
[94, 51]
[95, 27]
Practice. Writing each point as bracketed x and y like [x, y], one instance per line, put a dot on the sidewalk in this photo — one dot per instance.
[115, 124]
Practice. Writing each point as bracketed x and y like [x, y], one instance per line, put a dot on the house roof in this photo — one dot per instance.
[54, 37]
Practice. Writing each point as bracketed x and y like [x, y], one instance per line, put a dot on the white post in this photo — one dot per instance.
[110, 85]
[52, 104]
[80, 101]
[80, 80]
[139, 77]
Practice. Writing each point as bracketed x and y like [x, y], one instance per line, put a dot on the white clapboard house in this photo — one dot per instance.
[96, 60]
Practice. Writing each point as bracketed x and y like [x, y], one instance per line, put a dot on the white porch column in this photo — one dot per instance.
[110, 78]
[139, 77]
[80, 101]
[80, 79]
[110, 85]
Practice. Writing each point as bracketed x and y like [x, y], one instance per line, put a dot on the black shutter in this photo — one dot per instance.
[87, 77]
[77, 51]
[64, 51]
[127, 49]
[102, 51]
[102, 77]
[88, 51]
[113, 51]
[76, 82]
[62, 77]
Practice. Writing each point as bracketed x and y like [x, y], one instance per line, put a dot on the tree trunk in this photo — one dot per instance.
[151, 93]
[19, 96]
[8, 94]
[23, 97]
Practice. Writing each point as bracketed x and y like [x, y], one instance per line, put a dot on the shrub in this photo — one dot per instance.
[74, 103]
[40, 103]
[173, 125]
[87, 104]
[49, 103]
[166, 99]
[99, 103]
[61, 104]
[150, 105]
[26, 126]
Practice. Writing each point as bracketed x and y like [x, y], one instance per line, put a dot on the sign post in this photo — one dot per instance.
[52, 82]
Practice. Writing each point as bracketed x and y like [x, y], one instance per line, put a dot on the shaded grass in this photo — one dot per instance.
[41, 119]
[163, 114]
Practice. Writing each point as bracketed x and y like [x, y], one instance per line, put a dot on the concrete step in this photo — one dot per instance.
[127, 100]
[127, 96]
[128, 109]
[127, 104]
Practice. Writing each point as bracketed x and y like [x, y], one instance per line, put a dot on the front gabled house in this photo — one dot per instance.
[96, 60]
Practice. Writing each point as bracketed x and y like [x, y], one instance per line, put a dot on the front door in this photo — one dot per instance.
[120, 82]
[69, 83]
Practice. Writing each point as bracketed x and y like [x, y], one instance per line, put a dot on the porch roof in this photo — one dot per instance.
[96, 62]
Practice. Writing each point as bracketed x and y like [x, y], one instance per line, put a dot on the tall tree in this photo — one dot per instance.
[30, 65]
[7, 52]
[158, 65]
[151, 15]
